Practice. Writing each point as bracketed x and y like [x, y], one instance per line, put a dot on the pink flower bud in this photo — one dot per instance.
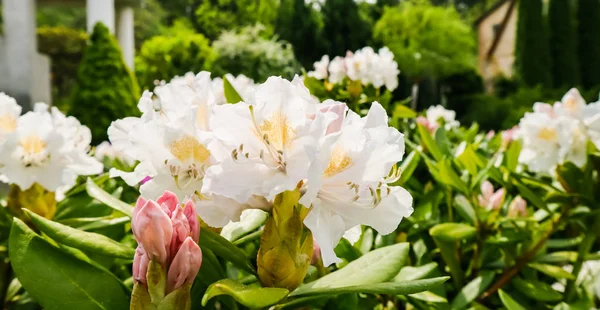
[487, 190]
[431, 126]
[190, 214]
[490, 134]
[168, 202]
[185, 265]
[140, 265]
[152, 230]
[497, 199]
[517, 208]
[181, 230]
[509, 135]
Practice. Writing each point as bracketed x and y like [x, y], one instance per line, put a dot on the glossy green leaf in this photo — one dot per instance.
[231, 94]
[449, 176]
[402, 111]
[442, 141]
[561, 257]
[410, 273]
[249, 296]
[450, 232]
[465, 209]
[58, 280]
[551, 270]
[408, 166]
[537, 290]
[428, 142]
[469, 160]
[390, 288]
[79, 239]
[512, 155]
[376, 266]
[472, 290]
[509, 302]
[99, 194]
[429, 297]
[225, 249]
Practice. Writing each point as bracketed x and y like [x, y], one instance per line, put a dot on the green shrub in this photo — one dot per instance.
[164, 57]
[105, 88]
[65, 48]
[247, 52]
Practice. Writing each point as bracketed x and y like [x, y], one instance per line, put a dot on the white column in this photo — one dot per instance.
[125, 34]
[20, 48]
[101, 11]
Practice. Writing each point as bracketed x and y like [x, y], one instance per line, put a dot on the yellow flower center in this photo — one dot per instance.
[338, 162]
[547, 134]
[33, 145]
[187, 148]
[278, 131]
[7, 123]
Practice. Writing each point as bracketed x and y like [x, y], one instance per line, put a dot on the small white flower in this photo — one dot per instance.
[440, 115]
[9, 113]
[337, 70]
[107, 150]
[320, 72]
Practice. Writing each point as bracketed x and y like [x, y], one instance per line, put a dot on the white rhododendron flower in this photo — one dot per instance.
[347, 181]
[9, 113]
[370, 68]
[232, 157]
[442, 116]
[107, 150]
[47, 148]
[555, 134]
[174, 143]
[272, 141]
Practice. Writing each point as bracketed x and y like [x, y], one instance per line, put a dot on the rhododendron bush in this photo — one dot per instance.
[316, 192]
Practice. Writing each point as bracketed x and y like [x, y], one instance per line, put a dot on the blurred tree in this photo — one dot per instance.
[563, 44]
[344, 29]
[56, 15]
[150, 21]
[105, 89]
[427, 41]
[215, 16]
[297, 24]
[532, 51]
[588, 16]
[179, 52]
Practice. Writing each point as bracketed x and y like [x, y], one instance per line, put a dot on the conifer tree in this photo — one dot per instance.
[588, 16]
[105, 89]
[533, 54]
[563, 44]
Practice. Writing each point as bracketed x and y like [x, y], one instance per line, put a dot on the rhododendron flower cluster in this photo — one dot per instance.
[370, 68]
[232, 157]
[559, 133]
[42, 146]
[437, 116]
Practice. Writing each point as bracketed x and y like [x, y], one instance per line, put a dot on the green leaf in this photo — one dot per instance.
[250, 221]
[449, 176]
[451, 232]
[553, 271]
[410, 273]
[537, 290]
[58, 280]
[225, 249]
[561, 257]
[429, 297]
[402, 111]
[512, 155]
[249, 296]
[99, 194]
[465, 209]
[389, 288]
[428, 142]
[408, 166]
[442, 141]
[531, 196]
[87, 241]
[472, 290]
[509, 302]
[231, 94]
[374, 267]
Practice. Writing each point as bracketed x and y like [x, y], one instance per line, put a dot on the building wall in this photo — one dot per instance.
[501, 62]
